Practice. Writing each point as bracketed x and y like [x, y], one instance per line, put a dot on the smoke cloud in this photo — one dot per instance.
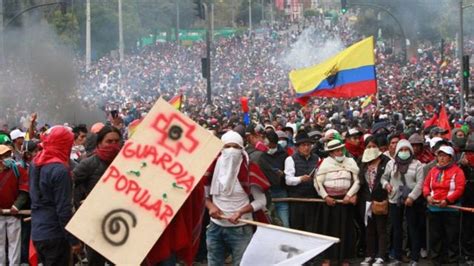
[40, 76]
[312, 47]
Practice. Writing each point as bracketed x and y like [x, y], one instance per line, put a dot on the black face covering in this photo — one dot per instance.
[459, 142]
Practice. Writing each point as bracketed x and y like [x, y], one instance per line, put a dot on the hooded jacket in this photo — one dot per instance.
[413, 177]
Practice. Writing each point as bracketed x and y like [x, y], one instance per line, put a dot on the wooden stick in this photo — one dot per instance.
[301, 200]
[289, 230]
[464, 209]
[285, 229]
[21, 212]
[27, 219]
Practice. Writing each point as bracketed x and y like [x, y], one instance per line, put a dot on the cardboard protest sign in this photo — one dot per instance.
[145, 186]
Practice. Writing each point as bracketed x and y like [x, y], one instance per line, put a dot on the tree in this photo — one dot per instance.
[243, 15]
[66, 26]
[104, 25]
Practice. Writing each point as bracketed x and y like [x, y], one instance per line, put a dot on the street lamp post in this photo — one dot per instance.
[460, 55]
[208, 53]
[461, 52]
[120, 30]
[88, 35]
[2, 49]
[250, 17]
[402, 32]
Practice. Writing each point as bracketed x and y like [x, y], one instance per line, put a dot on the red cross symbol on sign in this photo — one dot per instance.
[175, 134]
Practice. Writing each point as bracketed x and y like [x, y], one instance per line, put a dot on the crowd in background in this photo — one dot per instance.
[354, 138]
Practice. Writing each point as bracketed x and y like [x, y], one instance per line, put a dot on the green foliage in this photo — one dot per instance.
[310, 13]
[66, 26]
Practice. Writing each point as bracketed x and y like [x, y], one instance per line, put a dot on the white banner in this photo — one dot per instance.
[274, 245]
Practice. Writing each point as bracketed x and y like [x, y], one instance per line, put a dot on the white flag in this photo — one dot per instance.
[275, 245]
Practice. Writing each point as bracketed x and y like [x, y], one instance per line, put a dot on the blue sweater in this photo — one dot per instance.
[51, 202]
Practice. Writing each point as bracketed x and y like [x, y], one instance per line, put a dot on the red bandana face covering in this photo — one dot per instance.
[107, 153]
[57, 145]
[470, 158]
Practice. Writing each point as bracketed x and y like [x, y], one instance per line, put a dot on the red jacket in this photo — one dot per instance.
[10, 186]
[445, 184]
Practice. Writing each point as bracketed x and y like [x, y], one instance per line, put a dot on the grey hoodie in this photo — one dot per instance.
[414, 177]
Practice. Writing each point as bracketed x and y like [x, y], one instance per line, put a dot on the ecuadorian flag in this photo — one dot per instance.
[351, 73]
[177, 101]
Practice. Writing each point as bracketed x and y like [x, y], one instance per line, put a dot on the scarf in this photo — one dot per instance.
[355, 150]
[329, 165]
[470, 159]
[107, 153]
[402, 165]
[425, 156]
[226, 171]
[57, 146]
[249, 175]
[440, 176]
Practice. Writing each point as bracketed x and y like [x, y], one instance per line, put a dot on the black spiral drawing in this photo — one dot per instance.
[112, 225]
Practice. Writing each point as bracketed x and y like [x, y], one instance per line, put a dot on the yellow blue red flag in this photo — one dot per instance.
[177, 101]
[351, 73]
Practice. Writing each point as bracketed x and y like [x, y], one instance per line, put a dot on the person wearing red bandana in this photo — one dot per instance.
[51, 198]
[353, 143]
[90, 170]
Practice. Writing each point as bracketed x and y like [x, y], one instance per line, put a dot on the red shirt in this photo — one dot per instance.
[445, 184]
[10, 186]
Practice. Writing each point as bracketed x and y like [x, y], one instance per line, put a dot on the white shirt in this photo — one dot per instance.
[290, 178]
[237, 200]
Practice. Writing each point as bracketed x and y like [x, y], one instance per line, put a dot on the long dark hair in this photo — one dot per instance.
[104, 131]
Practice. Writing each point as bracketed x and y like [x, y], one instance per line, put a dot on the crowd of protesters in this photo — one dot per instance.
[381, 165]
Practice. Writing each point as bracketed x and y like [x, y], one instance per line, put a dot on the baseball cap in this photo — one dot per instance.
[4, 138]
[353, 132]
[15, 134]
[281, 134]
[4, 149]
[254, 130]
[446, 149]
[416, 139]
[434, 140]
[438, 130]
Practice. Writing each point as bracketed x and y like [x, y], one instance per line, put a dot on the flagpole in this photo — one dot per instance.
[301, 200]
[464, 209]
[289, 230]
[21, 212]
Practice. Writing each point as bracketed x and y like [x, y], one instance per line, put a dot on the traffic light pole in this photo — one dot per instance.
[460, 55]
[208, 53]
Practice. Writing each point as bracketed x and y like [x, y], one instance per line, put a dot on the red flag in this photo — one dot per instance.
[32, 255]
[431, 122]
[245, 104]
[182, 236]
[443, 122]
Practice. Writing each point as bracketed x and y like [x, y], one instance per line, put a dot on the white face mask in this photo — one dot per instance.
[231, 152]
[339, 159]
[283, 143]
[370, 154]
[404, 155]
[272, 151]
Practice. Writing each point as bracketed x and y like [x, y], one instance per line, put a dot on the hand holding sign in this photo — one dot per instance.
[145, 186]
